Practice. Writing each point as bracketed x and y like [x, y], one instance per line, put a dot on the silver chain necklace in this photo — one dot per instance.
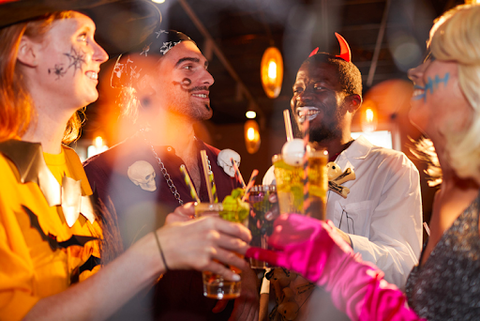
[167, 177]
[165, 174]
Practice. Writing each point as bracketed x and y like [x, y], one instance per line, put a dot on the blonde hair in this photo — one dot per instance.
[16, 106]
[456, 36]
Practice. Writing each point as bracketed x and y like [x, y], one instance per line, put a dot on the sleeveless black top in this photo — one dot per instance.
[447, 286]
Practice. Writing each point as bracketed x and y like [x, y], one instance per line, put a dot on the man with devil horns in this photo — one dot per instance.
[381, 217]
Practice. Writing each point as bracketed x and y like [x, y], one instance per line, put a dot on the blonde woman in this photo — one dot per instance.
[50, 235]
[446, 283]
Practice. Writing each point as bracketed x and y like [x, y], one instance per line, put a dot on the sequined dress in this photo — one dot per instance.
[447, 286]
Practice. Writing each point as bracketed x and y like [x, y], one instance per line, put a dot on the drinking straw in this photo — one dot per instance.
[214, 187]
[188, 182]
[306, 183]
[288, 124]
[250, 184]
[237, 172]
[427, 229]
[203, 155]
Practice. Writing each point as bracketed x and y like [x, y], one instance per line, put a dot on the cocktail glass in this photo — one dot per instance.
[318, 183]
[290, 184]
[214, 285]
[263, 209]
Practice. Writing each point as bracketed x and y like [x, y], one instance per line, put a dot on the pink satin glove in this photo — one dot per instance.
[315, 250]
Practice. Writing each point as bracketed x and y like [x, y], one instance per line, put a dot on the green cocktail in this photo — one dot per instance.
[290, 185]
[235, 210]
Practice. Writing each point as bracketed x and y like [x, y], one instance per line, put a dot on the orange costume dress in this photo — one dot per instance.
[49, 238]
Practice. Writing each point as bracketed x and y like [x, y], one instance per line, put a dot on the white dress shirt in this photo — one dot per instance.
[383, 211]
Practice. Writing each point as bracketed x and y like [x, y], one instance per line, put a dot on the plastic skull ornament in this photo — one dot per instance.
[333, 171]
[223, 160]
[142, 174]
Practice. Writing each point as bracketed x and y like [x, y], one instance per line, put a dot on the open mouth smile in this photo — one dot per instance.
[198, 95]
[418, 92]
[92, 75]
[307, 112]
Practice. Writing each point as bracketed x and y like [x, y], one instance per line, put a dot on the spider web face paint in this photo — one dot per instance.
[76, 61]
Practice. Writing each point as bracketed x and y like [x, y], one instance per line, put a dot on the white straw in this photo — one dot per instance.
[288, 124]
[427, 229]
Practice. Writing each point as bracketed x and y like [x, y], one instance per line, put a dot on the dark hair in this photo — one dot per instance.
[349, 76]
[131, 67]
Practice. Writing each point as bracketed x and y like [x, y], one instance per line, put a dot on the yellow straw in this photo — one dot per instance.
[203, 154]
[189, 183]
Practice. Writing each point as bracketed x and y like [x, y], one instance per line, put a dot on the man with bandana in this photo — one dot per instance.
[164, 92]
[381, 217]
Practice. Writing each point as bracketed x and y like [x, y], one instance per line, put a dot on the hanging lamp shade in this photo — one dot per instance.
[271, 71]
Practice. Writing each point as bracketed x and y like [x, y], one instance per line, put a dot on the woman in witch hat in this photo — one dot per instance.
[50, 227]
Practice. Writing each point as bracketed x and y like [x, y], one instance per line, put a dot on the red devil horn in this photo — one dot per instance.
[345, 52]
[314, 52]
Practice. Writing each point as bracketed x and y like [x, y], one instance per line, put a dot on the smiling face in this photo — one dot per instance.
[317, 89]
[182, 82]
[438, 104]
[68, 61]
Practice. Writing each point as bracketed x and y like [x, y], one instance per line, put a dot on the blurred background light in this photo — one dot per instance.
[369, 116]
[252, 136]
[271, 71]
[250, 114]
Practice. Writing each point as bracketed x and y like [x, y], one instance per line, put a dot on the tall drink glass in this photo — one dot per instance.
[263, 200]
[289, 181]
[318, 180]
[290, 186]
[214, 285]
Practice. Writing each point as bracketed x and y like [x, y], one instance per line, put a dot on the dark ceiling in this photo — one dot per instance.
[387, 37]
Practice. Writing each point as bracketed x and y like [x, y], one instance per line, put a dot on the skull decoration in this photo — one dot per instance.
[142, 174]
[337, 177]
[223, 161]
[333, 171]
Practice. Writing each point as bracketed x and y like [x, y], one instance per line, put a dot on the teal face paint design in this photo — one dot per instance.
[431, 85]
